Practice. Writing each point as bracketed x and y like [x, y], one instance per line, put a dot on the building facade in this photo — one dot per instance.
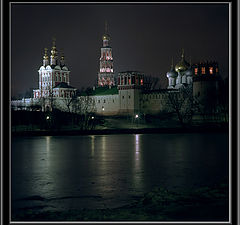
[126, 95]
[54, 77]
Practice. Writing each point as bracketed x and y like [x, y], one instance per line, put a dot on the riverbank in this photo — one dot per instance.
[207, 203]
[215, 128]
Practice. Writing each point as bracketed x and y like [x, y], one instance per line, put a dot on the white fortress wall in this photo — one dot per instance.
[106, 104]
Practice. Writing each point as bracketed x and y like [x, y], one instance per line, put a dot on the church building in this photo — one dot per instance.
[125, 94]
[54, 77]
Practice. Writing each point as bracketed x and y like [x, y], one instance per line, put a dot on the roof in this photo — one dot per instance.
[131, 72]
[63, 85]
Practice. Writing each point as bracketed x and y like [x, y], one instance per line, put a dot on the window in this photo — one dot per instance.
[141, 81]
[133, 80]
[211, 70]
[203, 70]
[196, 71]
[129, 96]
[216, 70]
[98, 101]
[123, 97]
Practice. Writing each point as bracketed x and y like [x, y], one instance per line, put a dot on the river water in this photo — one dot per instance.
[105, 171]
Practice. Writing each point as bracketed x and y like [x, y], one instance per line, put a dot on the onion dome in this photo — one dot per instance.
[182, 65]
[45, 54]
[54, 49]
[172, 72]
[189, 72]
[106, 37]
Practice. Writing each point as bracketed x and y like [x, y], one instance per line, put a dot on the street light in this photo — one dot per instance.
[136, 116]
[92, 117]
[47, 117]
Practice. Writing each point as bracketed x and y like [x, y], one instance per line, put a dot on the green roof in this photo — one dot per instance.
[100, 91]
[105, 91]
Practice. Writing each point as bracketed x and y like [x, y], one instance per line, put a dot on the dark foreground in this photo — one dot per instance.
[208, 203]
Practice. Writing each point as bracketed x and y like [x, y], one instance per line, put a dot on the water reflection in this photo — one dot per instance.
[137, 175]
[92, 145]
[137, 146]
[115, 167]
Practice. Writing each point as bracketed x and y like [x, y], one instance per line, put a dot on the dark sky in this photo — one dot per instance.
[143, 37]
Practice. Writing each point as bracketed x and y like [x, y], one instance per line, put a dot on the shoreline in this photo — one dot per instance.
[213, 128]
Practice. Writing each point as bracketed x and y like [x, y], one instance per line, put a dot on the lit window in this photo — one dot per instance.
[129, 81]
[211, 70]
[216, 70]
[196, 71]
[203, 70]
[141, 81]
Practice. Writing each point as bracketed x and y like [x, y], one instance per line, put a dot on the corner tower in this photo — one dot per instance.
[106, 74]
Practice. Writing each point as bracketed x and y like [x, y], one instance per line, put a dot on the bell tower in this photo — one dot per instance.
[106, 74]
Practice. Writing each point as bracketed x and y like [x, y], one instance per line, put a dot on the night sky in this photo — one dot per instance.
[143, 37]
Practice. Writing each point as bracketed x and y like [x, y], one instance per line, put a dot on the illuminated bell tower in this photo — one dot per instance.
[106, 75]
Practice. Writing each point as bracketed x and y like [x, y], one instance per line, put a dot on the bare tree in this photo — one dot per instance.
[69, 102]
[85, 106]
[181, 102]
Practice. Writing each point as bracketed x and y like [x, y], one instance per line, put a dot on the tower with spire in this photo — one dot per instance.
[106, 73]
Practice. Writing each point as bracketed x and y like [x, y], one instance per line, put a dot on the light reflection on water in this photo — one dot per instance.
[109, 170]
[92, 145]
[137, 178]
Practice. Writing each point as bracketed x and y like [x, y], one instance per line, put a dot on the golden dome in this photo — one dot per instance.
[45, 54]
[106, 37]
[182, 65]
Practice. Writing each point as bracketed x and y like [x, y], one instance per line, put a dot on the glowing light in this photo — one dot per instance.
[102, 108]
[92, 117]
[196, 71]
[136, 116]
[47, 117]
[203, 70]
[211, 70]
